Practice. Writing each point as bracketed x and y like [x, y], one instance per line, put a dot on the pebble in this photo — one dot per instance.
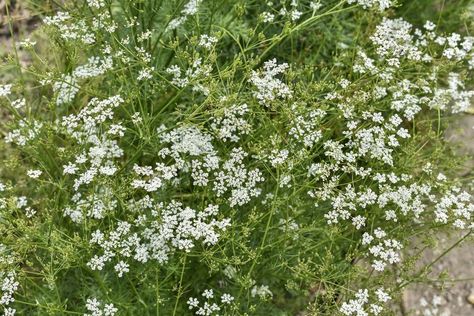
[470, 298]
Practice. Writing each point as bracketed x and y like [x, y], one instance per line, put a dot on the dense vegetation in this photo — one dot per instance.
[170, 157]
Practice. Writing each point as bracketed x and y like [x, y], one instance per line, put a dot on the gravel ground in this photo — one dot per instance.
[450, 297]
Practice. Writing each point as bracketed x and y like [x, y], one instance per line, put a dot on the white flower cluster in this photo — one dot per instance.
[77, 30]
[19, 103]
[404, 99]
[404, 92]
[455, 206]
[88, 120]
[208, 308]
[190, 9]
[458, 48]
[66, 89]
[385, 251]
[378, 142]
[186, 140]
[375, 142]
[267, 17]
[85, 128]
[119, 242]
[145, 74]
[382, 5]
[236, 179]
[26, 132]
[68, 86]
[207, 41]
[96, 3]
[278, 157]
[95, 206]
[192, 152]
[95, 308]
[9, 287]
[360, 306]
[89, 128]
[103, 21]
[155, 178]
[5, 90]
[306, 126]
[291, 12]
[268, 86]
[395, 40]
[172, 227]
[94, 67]
[356, 306]
[184, 143]
[21, 202]
[97, 161]
[262, 291]
[191, 75]
[460, 100]
[232, 124]
[398, 197]
[179, 228]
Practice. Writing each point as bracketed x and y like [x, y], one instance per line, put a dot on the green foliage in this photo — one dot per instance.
[282, 238]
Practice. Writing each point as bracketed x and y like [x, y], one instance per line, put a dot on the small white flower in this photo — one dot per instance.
[136, 118]
[207, 41]
[430, 26]
[110, 310]
[267, 17]
[315, 5]
[94, 306]
[208, 293]
[145, 74]
[18, 104]
[121, 268]
[34, 173]
[268, 86]
[358, 221]
[382, 296]
[70, 168]
[29, 212]
[193, 302]
[295, 15]
[367, 239]
[381, 4]
[5, 90]
[96, 3]
[262, 291]
[227, 298]
[27, 43]
[344, 83]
